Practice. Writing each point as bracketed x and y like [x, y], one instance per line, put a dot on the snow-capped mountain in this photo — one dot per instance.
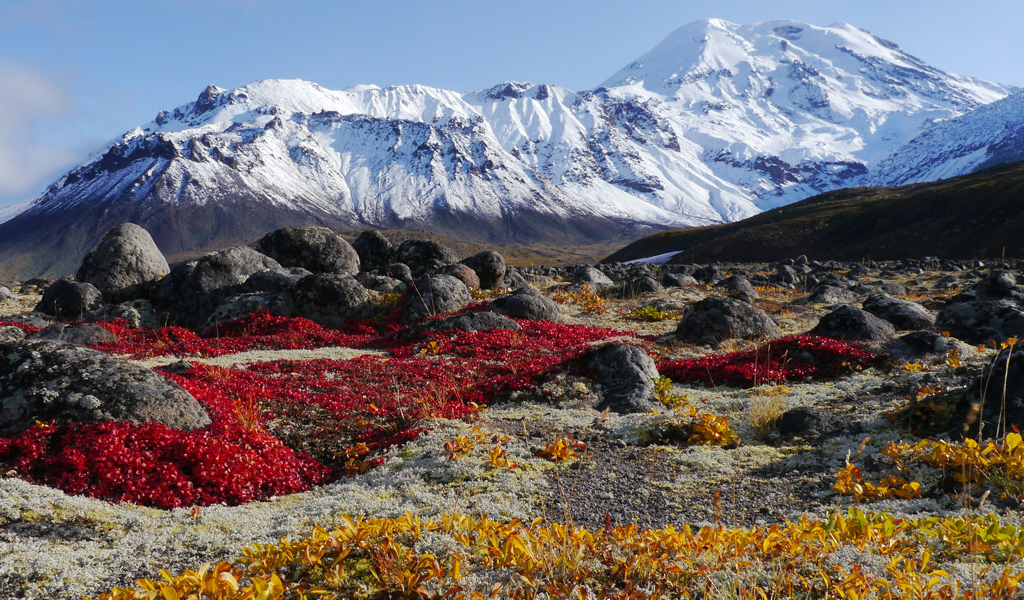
[985, 137]
[717, 123]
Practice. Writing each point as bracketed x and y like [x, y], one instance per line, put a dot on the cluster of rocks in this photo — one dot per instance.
[314, 273]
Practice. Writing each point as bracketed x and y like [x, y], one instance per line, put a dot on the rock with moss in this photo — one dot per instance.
[52, 381]
[717, 319]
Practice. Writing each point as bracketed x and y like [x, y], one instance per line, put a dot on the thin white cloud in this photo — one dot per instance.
[33, 107]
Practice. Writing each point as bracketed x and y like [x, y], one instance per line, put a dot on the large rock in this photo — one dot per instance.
[330, 299]
[464, 274]
[67, 299]
[903, 314]
[738, 287]
[595, 280]
[851, 323]
[716, 319]
[316, 249]
[79, 334]
[489, 267]
[996, 395]
[431, 296]
[241, 305]
[194, 289]
[52, 381]
[828, 294]
[526, 303]
[425, 256]
[475, 321]
[981, 321]
[375, 251]
[626, 374]
[125, 256]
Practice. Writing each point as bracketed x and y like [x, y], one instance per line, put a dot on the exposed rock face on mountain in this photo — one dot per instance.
[717, 123]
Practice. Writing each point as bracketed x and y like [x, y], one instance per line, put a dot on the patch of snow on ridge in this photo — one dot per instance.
[659, 259]
[9, 212]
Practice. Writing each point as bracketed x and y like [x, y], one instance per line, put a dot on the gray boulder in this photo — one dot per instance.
[241, 305]
[375, 251]
[67, 299]
[399, 271]
[716, 319]
[626, 374]
[525, 303]
[903, 314]
[475, 321]
[137, 313]
[828, 294]
[738, 287]
[316, 249]
[997, 395]
[425, 256]
[431, 296]
[489, 267]
[596, 281]
[125, 256]
[79, 334]
[274, 280]
[52, 381]
[677, 280]
[379, 283]
[980, 321]
[464, 274]
[194, 289]
[851, 323]
[330, 299]
[6, 293]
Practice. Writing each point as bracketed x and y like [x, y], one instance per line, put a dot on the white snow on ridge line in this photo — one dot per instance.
[658, 259]
[9, 212]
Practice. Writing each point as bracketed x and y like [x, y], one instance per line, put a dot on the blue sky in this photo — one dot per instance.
[74, 74]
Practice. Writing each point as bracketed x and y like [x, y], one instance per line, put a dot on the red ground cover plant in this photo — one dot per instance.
[797, 357]
[22, 326]
[261, 330]
[361, 407]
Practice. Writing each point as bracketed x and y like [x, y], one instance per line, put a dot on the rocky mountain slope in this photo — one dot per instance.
[717, 123]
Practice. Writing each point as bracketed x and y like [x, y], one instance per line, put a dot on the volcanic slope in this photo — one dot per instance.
[973, 216]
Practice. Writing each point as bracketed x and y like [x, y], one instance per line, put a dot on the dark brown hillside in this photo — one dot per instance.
[975, 216]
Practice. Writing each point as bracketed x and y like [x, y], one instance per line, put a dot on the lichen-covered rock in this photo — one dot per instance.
[851, 323]
[716, 319]
[677, 280]
[241, 305]
[431, 296]
[489, 267]
[274, 280]
[52, 381]
[425, 256]
[981, 321]
[375, 251]
[379, 283]
[194, 289]
[136, 313]
[594, 279]
[316, 249]
[828, 294]
[475, 321]
[125, 256]
[526, 303]
[330, 299]
[626, 374]
[79, 334]
[738, 287]
[399, 271]
[464, 274]
[903, 314]
[67, 299]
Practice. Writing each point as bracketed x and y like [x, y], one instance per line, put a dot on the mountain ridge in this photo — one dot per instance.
[774, 120]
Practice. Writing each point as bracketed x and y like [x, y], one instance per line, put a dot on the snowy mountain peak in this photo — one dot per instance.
[716, 123]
